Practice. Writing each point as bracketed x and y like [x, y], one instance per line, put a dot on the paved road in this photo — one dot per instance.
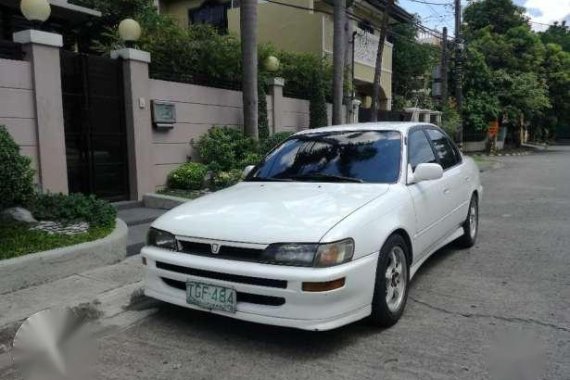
[508, 295]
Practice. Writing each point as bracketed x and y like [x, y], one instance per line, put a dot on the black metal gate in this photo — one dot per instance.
[95, 131]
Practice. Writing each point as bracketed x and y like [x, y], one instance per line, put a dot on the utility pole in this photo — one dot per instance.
[459, 68]
[444, 70]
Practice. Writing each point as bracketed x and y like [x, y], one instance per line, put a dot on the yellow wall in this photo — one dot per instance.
[284, 27]
[179, 9]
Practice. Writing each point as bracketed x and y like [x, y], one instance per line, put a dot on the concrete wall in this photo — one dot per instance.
[17, 109]
[200, 108]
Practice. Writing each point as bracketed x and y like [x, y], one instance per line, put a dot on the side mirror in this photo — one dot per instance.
[247, 170]
[427, 172]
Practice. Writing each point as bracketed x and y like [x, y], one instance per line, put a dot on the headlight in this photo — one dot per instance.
[308, 255]
[336, 253]
[161, 239]
[291, 254]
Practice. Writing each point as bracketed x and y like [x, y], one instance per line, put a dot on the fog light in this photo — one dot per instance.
[323, 286]
[144, 260]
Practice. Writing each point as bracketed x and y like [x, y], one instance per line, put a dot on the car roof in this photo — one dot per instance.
[402, 127]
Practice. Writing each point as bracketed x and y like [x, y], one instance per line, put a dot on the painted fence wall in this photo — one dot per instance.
[17, 109]
[198, 108]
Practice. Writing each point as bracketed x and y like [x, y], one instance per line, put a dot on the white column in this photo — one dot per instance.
[138, 119]
[42, 51]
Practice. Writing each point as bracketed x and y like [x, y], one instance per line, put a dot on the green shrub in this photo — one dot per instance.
[251, 158]
[222, 180]
[188, 176]
[16, 174]
[317, 107]
[223, 148]
[73, 207]
[271, 142]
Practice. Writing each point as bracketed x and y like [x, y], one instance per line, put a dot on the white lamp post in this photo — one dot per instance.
[271, 64]
[129, 31]
[36, 11]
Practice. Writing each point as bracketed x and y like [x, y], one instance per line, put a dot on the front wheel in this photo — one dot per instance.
[391, 286]
[471, 225]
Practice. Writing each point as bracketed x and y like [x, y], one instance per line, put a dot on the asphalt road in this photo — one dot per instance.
[502, 304]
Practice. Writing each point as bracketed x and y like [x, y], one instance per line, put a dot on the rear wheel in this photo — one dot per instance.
[391, 287]
[471, 225]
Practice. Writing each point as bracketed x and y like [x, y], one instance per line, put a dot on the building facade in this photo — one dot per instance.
[305, 26]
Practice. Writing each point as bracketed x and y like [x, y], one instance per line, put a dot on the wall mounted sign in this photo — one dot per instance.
[163, 114]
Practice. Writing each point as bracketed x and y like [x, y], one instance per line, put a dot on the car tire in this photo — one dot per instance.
[471, 225]
[392, 282]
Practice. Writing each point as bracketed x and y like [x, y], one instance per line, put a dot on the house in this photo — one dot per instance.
[304, 26]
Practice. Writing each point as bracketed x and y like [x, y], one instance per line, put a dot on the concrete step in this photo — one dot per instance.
[124, 205]
[136, 239]
[139, 215]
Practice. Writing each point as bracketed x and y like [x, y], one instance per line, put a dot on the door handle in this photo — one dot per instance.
[446, 191]
[467, 179]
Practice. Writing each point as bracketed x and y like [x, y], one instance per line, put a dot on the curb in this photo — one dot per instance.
[160, 201]
[40, 267]
[503, 154]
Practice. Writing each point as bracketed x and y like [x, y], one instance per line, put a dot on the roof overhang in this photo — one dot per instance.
[398, 13]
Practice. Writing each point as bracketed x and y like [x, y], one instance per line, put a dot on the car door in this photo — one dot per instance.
[427, 196]
[454, 182]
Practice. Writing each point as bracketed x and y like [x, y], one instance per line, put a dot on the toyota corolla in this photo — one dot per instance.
[329, 228]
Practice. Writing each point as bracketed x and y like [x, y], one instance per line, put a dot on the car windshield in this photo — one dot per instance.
[347, 156]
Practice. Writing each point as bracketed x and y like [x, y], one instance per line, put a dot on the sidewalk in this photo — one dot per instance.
[111, 295]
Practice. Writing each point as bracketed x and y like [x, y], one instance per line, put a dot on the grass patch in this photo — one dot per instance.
[17, 240]
[189, 194]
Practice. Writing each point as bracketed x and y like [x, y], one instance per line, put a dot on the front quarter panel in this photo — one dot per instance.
[372, 224]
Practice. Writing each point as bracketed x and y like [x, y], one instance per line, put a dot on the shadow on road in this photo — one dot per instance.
[236, 334]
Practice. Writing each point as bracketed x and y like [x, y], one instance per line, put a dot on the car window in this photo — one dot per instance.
[353, 156]
[444, 148]
[420, 151]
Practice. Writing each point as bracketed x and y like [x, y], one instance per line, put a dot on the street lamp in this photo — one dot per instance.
[271, 64]
[129, 31]
[36, 11]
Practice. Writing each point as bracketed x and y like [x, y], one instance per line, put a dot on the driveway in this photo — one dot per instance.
[470, 312]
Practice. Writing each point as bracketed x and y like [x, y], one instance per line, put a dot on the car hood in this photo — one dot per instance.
[269, 212]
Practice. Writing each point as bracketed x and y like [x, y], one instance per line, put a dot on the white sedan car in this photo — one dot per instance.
[328, 229]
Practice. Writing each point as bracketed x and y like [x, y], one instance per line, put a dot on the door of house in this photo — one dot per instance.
[95, 129]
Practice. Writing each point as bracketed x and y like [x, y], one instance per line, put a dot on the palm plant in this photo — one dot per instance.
[379, 56]
[338, 59]
[248, 27]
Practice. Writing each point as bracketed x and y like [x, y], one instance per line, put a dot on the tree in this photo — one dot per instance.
[248, 28]
[412, 61]
[559, 34]
[502, 74]
[338, 59]
[556, 72]
[379, 58]
[498, 15]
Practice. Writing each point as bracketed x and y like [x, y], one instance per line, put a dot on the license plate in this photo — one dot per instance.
[211, 297]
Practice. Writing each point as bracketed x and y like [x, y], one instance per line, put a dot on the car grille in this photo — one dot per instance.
[223, 276]
[241, 296]
[225, 251]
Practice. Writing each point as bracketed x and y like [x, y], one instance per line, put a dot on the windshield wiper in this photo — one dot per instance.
[321, 176]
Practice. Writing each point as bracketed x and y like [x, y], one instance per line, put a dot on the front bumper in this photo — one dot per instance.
[260, 285]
